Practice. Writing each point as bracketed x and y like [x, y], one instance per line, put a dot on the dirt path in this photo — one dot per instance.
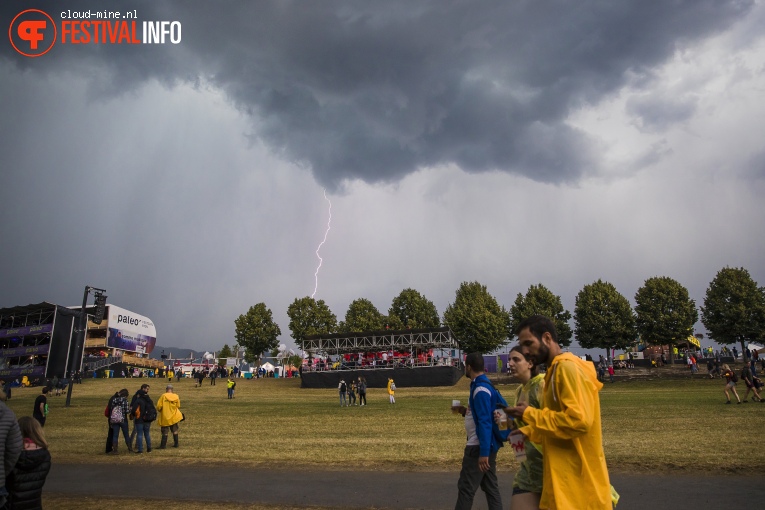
[366, 489]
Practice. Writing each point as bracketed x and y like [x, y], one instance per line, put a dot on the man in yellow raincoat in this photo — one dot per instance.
[169, 415]
[568, 424]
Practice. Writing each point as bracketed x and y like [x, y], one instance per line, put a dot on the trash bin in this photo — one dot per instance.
[111, 374]
[95, 374]
[276, 374]
[248, 375]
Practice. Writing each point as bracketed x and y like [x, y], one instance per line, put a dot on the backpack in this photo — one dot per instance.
[342, 387]
[497, 402]
[733, 376]
[116, 415]
[149, 411]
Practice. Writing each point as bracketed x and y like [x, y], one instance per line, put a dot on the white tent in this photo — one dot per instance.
[267, 366]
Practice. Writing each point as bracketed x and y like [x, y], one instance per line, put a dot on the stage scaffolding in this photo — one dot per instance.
[407, 340]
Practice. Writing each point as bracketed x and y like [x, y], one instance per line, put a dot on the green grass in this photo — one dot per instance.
[648, 426]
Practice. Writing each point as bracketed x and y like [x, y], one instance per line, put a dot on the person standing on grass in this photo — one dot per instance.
[230, 385]
[362, 386]
[25, 482]
[169, 416]
[352, 393]
[144, 412]
[568, 425]
[527, 484]
[730, 383]
[40, 409]
[138, 394]
[118, 419]
[748, 378]
[391, 391]
[342, 388]
[611, 372]
[213, 376]
[479, 461]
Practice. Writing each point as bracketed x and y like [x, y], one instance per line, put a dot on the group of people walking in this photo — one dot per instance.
[143, 412]
[749, 378]
[553, 426]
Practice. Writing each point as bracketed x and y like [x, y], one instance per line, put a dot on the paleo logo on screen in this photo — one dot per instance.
[32, 33]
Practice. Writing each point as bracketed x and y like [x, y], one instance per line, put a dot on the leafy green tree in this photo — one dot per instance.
[414, 310]
[665, 312]
[734, 308]
[256, 331]
[392, 322]
[223, 354]
[477, 320]
[603, 318]
[362, 315]
[310, 317]
[541, 301]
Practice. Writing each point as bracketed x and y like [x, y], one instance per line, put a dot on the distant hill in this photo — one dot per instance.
[174, 352]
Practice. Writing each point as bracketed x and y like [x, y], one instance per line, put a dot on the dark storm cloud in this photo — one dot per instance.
[374, 91]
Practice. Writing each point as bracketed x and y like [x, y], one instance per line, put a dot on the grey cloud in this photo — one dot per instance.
[377, 91]
[756, 166]
[656, 112]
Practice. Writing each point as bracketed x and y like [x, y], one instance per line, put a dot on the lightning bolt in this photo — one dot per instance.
[329, 223]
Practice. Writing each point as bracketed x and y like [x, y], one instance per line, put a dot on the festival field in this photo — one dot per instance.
[649, 426]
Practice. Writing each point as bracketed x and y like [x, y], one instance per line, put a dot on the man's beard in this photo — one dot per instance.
[540, 358]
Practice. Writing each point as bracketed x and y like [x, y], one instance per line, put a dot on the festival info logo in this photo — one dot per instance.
[32, 33]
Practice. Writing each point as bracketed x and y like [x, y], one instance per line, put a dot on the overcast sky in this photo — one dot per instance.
[512, 143]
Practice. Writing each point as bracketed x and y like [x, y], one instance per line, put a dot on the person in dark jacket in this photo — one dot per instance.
[26, 480]
[143, 390]
[144, 413]
[10, 445]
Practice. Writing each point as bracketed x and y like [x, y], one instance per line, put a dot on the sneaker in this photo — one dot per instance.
[738, 402]
[744, 401]
[728, 402]
[138, 451]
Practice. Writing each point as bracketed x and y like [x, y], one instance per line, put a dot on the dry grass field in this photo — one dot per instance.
[649, 426]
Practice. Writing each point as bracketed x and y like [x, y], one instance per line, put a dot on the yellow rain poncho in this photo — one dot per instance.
[568, 427]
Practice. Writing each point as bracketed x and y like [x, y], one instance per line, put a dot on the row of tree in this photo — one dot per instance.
[733, 311]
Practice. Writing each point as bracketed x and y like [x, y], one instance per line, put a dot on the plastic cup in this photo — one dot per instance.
[518, 445]
[455, 405]
[502, 420]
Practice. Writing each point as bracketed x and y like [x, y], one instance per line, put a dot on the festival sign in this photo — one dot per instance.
[129, 331]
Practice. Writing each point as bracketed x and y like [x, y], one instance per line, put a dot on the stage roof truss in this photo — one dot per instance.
[378, 341]
[29, 315]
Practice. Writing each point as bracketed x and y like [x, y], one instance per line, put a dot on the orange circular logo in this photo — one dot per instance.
[32, 33]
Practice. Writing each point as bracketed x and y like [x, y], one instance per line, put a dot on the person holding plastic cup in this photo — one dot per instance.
[527, 484]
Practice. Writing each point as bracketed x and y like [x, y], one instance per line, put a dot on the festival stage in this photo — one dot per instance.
[378, 377]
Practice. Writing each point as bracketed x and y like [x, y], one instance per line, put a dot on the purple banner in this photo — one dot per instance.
[18, 372]
[128, 341]
[26, 330]
[17, 352]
